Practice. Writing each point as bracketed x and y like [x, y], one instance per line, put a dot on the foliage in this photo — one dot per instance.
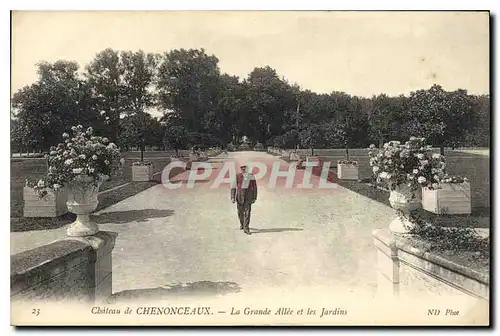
[441, 117]
[82, 155]
[413, 164]
[258, 147]
[231, 147]
[55, 101]
[347, 162]
[202, 104]
[449, 238]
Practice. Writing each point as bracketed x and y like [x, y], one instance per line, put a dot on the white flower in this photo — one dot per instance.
[466, 179]
[106, 162]
[372, 146]
[383, 175]
[376, 169]
[41, 183]
[65, 135]
[415, 171]
[435, 185]
[413, 138]
[105, 140]
[420, 156]
[103, 112]
[68, 161]
[77, 170]
[122, 161]
[53, 152]
[436, 156]
[421, 179]
[424, 162]
[91, 170]
[94, 157]
[82, 156]
[56, 186]
[73, 128]
[89, 130]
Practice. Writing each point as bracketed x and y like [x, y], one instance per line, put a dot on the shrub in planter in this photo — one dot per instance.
[258, 147]
[347, 169]
[53, 204]
[450, 196]
[244, 147]
[231, 147]
[142, 171]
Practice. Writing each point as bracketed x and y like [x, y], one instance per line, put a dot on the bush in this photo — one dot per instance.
[230, 147]
[244, 147]
[449, 238]
[258, 147]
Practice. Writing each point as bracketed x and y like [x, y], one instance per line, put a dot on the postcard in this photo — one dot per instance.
[250, 168]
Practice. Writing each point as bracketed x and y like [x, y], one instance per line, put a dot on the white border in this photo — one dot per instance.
[183, 5]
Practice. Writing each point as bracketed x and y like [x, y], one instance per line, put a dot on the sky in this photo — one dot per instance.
[361, 53]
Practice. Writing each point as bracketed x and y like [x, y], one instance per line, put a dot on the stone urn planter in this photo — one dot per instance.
[347, 170]
[404, 200]
[449, 199]
[142, 172]
[82, 201]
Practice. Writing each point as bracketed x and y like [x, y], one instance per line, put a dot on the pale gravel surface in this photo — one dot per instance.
[301, 239]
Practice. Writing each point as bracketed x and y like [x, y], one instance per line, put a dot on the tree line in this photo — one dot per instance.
[200, 105]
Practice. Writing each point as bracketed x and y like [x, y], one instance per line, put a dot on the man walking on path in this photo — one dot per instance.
[244, 194]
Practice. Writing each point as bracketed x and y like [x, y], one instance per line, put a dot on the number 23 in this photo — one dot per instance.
[35, 311]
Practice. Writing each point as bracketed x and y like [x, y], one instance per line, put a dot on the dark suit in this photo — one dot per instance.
[244, 192]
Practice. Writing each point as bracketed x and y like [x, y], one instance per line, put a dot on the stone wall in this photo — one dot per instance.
[71, 269]
[405, 269]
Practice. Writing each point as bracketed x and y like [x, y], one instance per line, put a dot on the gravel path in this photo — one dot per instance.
[300, 238]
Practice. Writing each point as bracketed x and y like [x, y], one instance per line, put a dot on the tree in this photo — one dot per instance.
[187, 85]
[137, 129]
[138, 76]
[225, 119]
[479, 136]
[311, 136]
[268, 97]
[58, 99]
[176, 137]
[442, 117]
[105, 78]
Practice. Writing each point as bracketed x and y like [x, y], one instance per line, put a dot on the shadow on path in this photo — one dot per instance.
[253, 230]
[121, 217]
[190, 289]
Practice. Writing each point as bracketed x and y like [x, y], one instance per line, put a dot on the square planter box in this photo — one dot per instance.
[52, 205]
[142, 173]
[452, 199]
[347, 171]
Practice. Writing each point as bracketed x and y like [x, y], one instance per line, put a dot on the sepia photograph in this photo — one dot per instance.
[250, 168]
